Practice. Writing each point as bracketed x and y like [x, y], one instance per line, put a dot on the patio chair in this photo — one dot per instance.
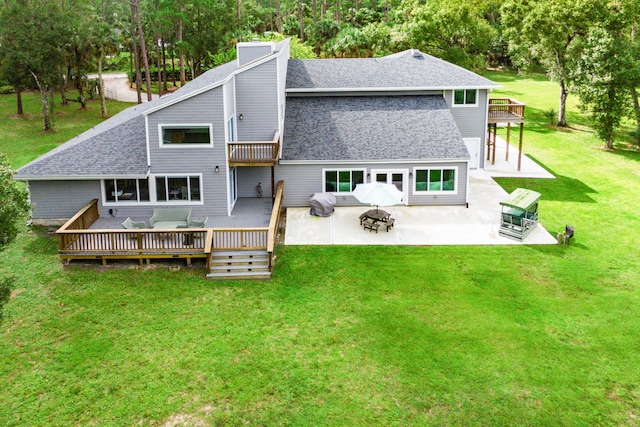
[130, 224]
[198, 224]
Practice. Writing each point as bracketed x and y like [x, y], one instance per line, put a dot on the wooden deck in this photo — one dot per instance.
[505, 110]
[77, 241]
[257, 153]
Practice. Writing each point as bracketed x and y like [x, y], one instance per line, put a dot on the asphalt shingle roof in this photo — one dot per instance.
[361, 128]
[115, 147]
[408, 69]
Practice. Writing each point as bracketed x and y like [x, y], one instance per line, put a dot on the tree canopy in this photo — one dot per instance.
[50, 45]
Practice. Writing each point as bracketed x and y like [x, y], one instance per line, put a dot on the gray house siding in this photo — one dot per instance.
[257, 102]
[205, 108]
[472, 121]
[61, 199]
[302, 180]
[248, 179]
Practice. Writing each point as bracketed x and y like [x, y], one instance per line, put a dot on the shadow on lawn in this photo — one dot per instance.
[562, 189]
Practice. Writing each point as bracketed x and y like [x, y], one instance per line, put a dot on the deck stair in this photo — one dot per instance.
[239, 265]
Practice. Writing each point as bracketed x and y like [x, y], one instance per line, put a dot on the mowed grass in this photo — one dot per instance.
[528, 335]
[22, 138]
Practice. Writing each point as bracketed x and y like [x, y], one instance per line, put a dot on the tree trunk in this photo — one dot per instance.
[183, 78]
[19, 99]
[45, 102]
[562, 119]
[164, 65]
[239, 14]
[136, 59]
[636, 105]
[278, 17]
[159, 64]
[143, 48]
[103, 100]
[301, 20]
[173, 66]
[315, 12]
[81, 98]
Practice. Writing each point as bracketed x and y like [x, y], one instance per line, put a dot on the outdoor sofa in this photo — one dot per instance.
[169, 218]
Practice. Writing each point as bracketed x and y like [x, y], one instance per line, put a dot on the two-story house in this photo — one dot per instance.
[318, 125]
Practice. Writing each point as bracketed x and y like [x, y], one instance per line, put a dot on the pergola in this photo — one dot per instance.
[504, 110]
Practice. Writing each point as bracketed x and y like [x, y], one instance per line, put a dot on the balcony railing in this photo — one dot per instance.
[254, 153]
[505, 110]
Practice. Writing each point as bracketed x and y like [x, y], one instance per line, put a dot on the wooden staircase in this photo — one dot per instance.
[239, 265]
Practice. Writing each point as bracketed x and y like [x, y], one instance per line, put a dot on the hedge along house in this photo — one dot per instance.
[410, 119]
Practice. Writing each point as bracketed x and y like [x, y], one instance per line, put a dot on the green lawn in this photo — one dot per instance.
[351, 335]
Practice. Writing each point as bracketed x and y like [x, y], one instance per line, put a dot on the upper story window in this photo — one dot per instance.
[465, 97]
[181, 135]
[342, 180]
[126, 190]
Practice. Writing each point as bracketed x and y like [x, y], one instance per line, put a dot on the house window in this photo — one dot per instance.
[465, 97]
[178, 189]
[435, 180]
[185, 135]
[231, 128]
[126, 190]
[342, 180]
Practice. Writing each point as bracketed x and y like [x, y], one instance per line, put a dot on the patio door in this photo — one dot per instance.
[397, 177]
[233, 186]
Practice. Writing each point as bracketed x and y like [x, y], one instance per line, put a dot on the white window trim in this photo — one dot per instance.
[231, 126]
[154, 192]
[342, 193]
[432, 192]
[105, 202]
[453, 99]
[406, 182]
[184, 125]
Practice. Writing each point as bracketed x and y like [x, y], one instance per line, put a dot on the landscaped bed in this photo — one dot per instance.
[442, 335]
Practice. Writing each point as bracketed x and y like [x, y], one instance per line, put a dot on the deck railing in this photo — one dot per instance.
[506, 108]
[257, 153]
[274, 223]
[76, 241]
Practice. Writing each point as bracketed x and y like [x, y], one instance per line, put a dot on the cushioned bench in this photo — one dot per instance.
[170, 218]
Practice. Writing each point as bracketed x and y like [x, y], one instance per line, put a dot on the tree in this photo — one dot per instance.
[14, 205]
[35, 30]
[602, 75]
[545, 33]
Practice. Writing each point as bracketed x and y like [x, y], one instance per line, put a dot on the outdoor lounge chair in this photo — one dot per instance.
[198, 224]
[130, 224]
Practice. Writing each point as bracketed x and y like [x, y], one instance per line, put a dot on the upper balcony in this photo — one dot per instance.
[254, 153]
[505, 110]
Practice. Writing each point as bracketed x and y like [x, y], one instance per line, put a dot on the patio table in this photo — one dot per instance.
[378, 215]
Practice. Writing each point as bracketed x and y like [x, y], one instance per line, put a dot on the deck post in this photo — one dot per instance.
[495, 139]
[520, 148]
[508, 140]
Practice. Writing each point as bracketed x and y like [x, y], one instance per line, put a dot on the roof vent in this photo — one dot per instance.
[416, 53]
[255, 40]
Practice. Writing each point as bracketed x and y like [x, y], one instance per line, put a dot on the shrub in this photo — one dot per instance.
[5, 90]
[551, 115]
[14, 204]
[635, 138]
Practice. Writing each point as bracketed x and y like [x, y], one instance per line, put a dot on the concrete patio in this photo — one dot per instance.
[427, 225]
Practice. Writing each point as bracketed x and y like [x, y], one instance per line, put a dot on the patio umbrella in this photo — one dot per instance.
[379, 194]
